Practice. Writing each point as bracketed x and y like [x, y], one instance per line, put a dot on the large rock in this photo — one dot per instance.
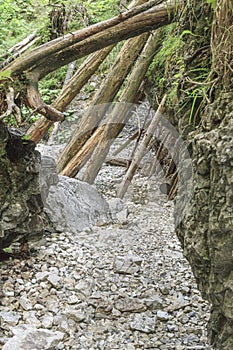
[70, 204]
[28, 338]
[21, 207]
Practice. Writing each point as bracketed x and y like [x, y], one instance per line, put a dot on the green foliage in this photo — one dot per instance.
[8, 250]
[101, 9]
[187, 32]
[212, 3]
[5, 74]
[167, 56]
[18, 19]
[51, 85]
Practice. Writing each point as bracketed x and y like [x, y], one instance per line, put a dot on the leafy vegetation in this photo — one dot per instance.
[101, 9]
[21, 18]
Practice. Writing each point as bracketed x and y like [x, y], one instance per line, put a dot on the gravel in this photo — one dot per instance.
[121, 286]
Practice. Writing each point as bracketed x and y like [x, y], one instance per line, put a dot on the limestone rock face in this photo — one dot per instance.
[206, 232]
[21, 207]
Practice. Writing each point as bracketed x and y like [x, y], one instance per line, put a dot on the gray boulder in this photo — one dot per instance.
[71, 205]
[28, 338]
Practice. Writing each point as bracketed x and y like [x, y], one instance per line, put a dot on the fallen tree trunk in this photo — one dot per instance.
[58, 52]
[80, 78]
[48, 57]
[141, 151]
[103, 137]
[121, 113]
[18, 49]
[105, 94]
[118, 161]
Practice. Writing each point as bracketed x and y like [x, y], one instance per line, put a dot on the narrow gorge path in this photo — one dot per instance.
[121, 286]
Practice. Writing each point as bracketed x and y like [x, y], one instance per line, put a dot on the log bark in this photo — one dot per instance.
[121, 113]
[58, 52]
[105, 134]
[141, 151]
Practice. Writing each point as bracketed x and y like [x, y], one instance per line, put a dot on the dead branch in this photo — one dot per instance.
[35, 101]
[69, 91]
[18, 49]
[12, 108]
[118, 161]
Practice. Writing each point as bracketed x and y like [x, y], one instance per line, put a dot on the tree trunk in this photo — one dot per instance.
[48, 57]
[141, 150]
[104, 136]
[61, 51]
[121, 114]
[104, 95]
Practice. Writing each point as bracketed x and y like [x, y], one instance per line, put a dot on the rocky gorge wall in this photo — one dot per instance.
[206, 232]
[193, 69]
[21, 208]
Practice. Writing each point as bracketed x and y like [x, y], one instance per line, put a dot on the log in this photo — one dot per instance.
[38, 130]
[141, 150]
[121, 113]
[105, 94]
[18, 49]
[105, 134]
[61, 51]
[117, 161]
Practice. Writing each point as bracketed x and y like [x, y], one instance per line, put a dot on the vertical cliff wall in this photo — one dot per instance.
[21, 209]
[197, 75]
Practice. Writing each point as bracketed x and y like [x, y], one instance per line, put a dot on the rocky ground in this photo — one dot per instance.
[124, 285]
